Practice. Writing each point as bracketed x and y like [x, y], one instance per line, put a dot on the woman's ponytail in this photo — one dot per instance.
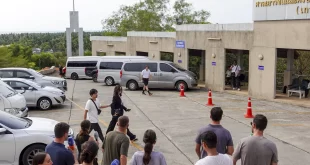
[149, 139]
[148, 148]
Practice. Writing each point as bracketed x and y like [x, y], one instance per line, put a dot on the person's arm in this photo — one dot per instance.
[198, 145]
[230, 145]
[197, 149]
[124, 151]
[274, 160]
[105, 106]
[237, 154]
[162, 160]
[87, 108]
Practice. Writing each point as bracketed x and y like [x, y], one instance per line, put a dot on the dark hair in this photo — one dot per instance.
[210, 139]
[89, 151]
[117, 90]
[85, 126]
[260, 122]
[92, 92]
[61, 129]
[149, 139]
[123, 121]
[39, 158]
[216, 113]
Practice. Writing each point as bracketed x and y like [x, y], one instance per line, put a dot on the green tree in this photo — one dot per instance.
[152, 15]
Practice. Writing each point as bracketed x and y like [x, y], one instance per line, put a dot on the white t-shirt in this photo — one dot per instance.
[146, 73]
[92, 114]
[220, 159]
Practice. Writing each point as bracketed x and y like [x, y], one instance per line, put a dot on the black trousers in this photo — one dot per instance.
[96, 127]
[112, 126]
[236, 81]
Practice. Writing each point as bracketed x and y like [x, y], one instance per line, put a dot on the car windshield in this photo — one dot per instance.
[14, 122]
[34, 84]
[6, 90]
[178, 67]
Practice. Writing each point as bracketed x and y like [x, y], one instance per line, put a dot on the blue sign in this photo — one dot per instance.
[180, 44]
[179, 61]
[261, 67]
[213, 63]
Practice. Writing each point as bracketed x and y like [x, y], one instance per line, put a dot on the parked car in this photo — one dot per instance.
[108, 68]
[164, 74]
[35, 76]
[11, 101]
[22, 138]
[75, 66]
[36, 95]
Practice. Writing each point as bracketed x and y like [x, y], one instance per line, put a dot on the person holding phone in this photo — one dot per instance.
[117, 110]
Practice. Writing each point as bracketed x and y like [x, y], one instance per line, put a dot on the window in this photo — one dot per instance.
[14, 122]
[138, 67]
[111, 65]
[165, 67]
[6, 74]
[22, 74]
[82, 64]
[178, 67]
[19, 85]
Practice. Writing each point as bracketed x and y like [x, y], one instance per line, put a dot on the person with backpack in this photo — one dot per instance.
[92, 112]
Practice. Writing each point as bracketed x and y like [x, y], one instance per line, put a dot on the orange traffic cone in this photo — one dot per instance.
[182, 91]
[249, 110]
[209, 99]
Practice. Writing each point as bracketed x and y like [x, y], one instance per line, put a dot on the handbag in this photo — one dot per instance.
[99, 110]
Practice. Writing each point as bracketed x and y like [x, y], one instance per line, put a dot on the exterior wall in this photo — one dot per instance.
[214, 39]
[101, 43]
[151, 42]
[268, 36]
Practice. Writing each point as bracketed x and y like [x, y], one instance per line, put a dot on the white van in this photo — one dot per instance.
[109, 68]
[11, 101]
[75, 66]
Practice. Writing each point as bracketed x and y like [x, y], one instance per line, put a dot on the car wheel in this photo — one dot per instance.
[179, 84]
[30, 152]
[132, 85]
[44, 103]
[95, 78]
[74, 76]
[109, 81]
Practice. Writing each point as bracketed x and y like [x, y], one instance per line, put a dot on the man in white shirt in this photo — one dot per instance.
[235, 74]
[146, 75]
[209, 141]
[92, 110]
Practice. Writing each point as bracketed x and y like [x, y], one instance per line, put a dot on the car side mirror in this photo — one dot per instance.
[31, 77]
[30, 88]
[2, 131]
[24, 90]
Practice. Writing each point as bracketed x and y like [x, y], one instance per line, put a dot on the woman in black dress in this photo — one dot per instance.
[117, 110]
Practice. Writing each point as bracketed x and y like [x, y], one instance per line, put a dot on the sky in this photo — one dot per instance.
[53, 15]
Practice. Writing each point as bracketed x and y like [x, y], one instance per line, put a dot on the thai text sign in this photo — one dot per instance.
[280, 9]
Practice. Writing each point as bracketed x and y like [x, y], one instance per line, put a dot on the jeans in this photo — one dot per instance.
[96, 127]
[112, 126]
[236, 82]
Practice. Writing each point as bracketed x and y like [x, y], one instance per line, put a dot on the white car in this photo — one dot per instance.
[36, 95]
[22, 138]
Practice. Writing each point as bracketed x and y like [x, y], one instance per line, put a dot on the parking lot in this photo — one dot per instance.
[177, 119]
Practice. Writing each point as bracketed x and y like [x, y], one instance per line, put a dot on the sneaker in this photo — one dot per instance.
[143, 93]
[238, 89]
[150, 94]
[234, 88]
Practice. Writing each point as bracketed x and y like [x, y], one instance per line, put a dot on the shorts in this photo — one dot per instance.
[145, 81]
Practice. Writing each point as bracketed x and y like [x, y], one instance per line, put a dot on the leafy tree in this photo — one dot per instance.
[152, 15]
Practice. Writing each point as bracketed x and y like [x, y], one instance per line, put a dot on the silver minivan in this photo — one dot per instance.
[164, 74]
[108, 68]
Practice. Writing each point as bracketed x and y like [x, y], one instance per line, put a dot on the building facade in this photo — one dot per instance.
[279, 29]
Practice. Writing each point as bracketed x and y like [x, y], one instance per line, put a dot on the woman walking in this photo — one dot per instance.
[117, 110]
[83, 136]
[148, 156]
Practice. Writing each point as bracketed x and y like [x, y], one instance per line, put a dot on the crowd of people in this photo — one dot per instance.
[214, 144]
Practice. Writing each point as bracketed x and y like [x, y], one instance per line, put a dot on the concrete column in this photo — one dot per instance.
[288, 73]
[202, 67]
[69, 43]
[81, 42]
